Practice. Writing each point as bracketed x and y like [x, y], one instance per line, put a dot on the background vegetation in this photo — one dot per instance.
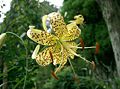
[18, 70]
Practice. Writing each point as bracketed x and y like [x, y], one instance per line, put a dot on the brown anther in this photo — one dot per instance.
[54, 75]
[51, 56]
[93, 65]
[82, 43]
[76, 79]
[97, 48]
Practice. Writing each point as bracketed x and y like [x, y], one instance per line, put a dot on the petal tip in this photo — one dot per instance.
[31, 27]
[28, 33]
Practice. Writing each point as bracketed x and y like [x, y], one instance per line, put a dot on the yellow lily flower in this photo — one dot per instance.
[60, 41]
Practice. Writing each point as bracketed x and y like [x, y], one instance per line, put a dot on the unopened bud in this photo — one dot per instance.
[2, 39]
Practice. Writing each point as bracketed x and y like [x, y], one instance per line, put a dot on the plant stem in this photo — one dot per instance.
[11, 33]
[71, 66]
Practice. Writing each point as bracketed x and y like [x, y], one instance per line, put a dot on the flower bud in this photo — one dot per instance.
[2, 39]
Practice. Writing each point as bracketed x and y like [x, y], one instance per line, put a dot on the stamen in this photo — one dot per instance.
[77, 80]
[72, 67]
[97, 48]
[54, 75]
[70, 50]
[59, 68]
[82, 43]
[84, 59]
[51, 56]
[82, 47]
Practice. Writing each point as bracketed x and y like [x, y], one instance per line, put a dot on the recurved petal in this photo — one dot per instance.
[35, 52]
[60, 58]
[58, 24]
[44, 58]
[79, 19]
[41, 37]
[73, 32]
[44, 19]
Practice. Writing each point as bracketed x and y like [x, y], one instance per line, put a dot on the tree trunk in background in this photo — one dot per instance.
[5, 81]
[111, 15]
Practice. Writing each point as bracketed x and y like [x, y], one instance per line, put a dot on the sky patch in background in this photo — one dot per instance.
[4, 9]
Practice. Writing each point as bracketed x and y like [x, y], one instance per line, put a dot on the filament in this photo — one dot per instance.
[82, 47]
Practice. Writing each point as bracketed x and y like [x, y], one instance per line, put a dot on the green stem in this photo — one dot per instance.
[11, 33]
[20, 40]
[71, 66]
[18, 83]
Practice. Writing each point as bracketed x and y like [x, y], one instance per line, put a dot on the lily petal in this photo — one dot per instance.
[43, 58]
[73, 32]
[41, 37]
[44, 18]
[58, 25]
[79, 19]
[35, 52]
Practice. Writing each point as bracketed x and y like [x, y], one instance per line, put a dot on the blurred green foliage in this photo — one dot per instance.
[68, 81]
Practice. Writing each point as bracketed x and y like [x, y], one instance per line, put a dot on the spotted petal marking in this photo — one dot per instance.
[73, 32]
[58, 24]
[60, 57]
[41, 37]
[43, 58]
